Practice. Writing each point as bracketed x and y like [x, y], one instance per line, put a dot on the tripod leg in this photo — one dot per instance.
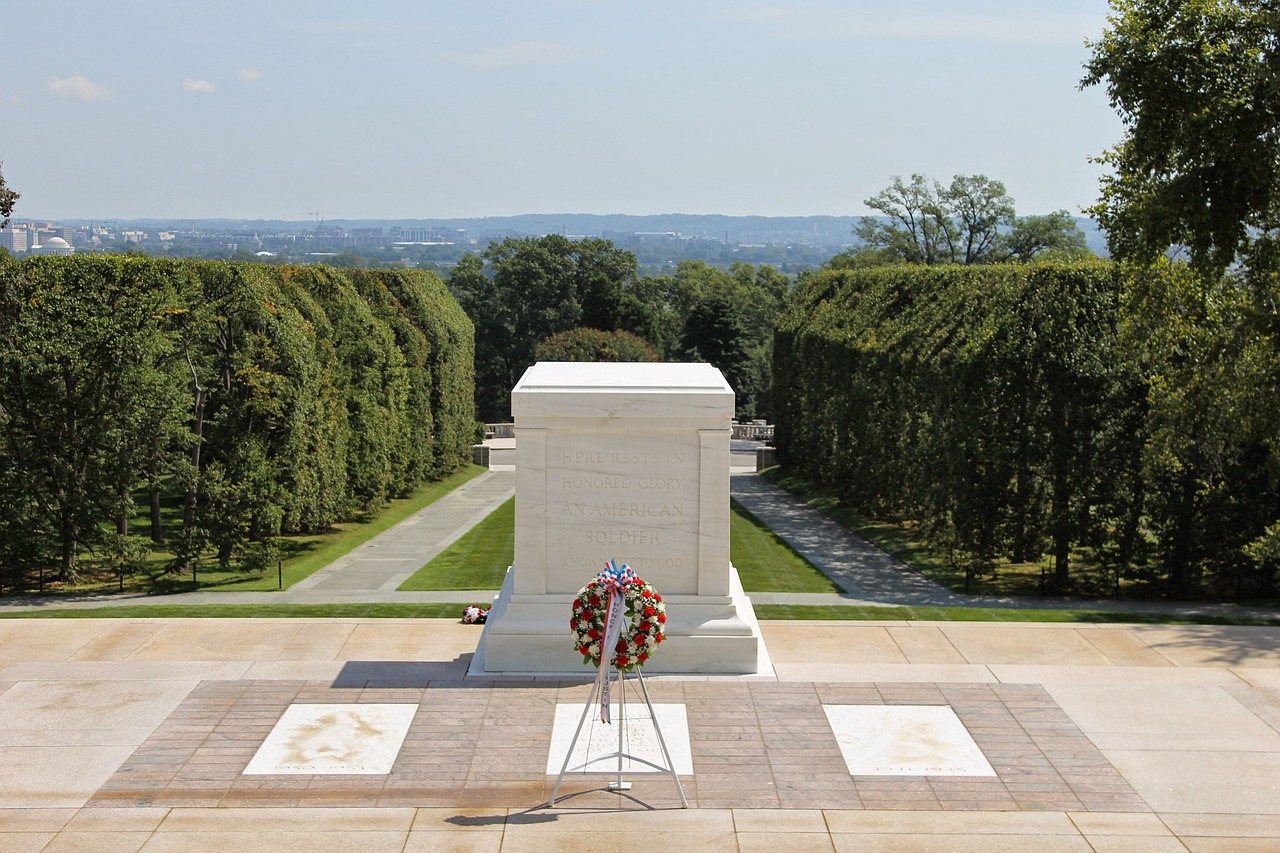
[573, 743]
[657, 729]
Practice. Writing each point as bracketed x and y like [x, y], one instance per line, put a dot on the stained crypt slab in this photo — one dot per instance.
[334, 739]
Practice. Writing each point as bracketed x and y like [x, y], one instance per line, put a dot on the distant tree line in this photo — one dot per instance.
[257, 399]
[524, 294]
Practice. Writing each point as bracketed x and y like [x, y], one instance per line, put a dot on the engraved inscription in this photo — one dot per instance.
[628, 496]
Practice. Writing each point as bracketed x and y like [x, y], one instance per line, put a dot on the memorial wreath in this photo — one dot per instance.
[641, 613]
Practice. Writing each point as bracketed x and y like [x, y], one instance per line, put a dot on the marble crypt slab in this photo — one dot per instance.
[905, 740]
[639, 738]
[334, 739]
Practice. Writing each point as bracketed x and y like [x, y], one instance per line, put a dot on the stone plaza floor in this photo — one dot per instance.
[135, 734]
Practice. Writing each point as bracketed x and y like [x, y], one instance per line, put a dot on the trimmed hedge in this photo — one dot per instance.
[992, 404]
[276, 398]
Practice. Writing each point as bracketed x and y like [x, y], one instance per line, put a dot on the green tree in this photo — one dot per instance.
[969, 221]
[8, 198]
[585, 344]
[535, 287]
[1050, 235]
[1195, 83]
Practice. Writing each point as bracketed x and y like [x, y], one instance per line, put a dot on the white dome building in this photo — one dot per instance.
[53, 246]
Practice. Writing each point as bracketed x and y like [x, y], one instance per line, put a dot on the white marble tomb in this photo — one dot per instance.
[626, 462]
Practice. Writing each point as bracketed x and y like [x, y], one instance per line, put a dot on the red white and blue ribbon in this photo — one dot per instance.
[614, 581]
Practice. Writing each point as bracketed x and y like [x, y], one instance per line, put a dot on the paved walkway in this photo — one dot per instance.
[866, 573]
[134, 734]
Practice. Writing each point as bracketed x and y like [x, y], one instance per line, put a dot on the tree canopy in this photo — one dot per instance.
[969, 221]
[586, 344]
[8, 198]
[523, 290]
[1197, 85]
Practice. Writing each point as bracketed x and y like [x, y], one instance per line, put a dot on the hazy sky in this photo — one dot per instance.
[388, 109]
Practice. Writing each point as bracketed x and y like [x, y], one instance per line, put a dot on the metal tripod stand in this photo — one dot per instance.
[621, 754]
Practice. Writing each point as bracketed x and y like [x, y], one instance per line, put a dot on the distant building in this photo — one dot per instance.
[13, 238]
[48, 231]
[367, 236]
[53, 246]
[429, 236]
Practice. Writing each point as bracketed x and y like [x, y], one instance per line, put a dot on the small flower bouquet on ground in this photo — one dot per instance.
[475, 615]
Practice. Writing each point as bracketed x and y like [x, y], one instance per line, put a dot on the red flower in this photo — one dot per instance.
[594, 634]
[621, 646]
[623, 660]
[573, 624]
[638, 639]
[642, 657]
[586, 615]
[584, 649]
[649, 611]
[645, 593]
[657, 597]
[645, 626]
[662, 617]
[595, 601]
[659, 637]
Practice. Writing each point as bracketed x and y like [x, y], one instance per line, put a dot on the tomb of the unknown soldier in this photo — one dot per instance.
[626, 462]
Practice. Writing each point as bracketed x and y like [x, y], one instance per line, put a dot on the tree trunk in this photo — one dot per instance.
[157, 531]
[122, 520]
[70, 548]
[1060, 523]
[189, 504]
[1178, 557]
[153, 493]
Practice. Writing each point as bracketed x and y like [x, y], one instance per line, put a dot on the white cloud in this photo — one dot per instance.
[201, 86]
[79, 87]
[518, 54]
[248, 75]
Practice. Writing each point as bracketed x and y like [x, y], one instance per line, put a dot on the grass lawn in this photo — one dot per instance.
[765, 563]
[843, 612]
[301, 555]
[480, 558]
[851, 613]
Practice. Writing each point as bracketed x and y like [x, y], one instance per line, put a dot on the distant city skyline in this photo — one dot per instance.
[399, 110]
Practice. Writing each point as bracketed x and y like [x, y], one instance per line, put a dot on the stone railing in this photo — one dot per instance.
[754, 431]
